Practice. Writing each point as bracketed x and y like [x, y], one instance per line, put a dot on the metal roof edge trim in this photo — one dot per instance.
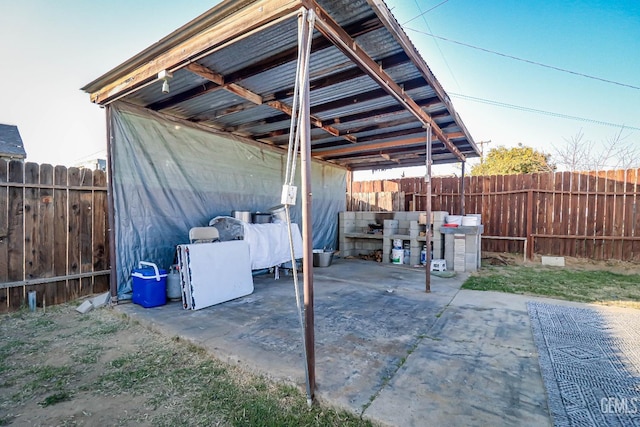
[395, 29]
[186, 31]
[135, 109]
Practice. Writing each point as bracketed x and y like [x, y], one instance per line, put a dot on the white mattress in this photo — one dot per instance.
[213, 273]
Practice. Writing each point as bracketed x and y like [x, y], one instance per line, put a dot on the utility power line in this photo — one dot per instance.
[528, 61]
[425, 12]
[424, 19]
[543, 112]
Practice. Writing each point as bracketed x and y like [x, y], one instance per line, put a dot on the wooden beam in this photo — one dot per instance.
[331, 30]
[361, 148]
[425, 103]
[358, 148]
[242, 92]
[217, 78]
[206, 73]
[281, 106]
[251, 17]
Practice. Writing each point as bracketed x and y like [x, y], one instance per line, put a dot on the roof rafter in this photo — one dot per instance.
[362, 148]
[242, 92]
[330, 29]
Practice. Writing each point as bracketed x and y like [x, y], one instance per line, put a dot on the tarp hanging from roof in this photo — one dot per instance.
[169, 177]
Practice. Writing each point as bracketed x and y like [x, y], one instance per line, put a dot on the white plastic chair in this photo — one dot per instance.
[203, 235]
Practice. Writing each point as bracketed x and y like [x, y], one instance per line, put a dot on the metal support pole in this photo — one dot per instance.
[428, 209]
[307, 232]
[113, 277]
[462, 190]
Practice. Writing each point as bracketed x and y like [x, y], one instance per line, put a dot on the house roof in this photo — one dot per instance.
[371, 93]
[11, 143]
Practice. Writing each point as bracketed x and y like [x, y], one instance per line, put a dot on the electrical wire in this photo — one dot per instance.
[543, 112]
[425, 12]
[528, 61]
[436, 41]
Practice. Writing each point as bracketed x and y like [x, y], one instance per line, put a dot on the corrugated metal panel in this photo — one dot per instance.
[264, 63]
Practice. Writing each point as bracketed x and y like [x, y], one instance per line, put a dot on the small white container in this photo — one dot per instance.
[468, 221]
[397, 243]
[397, 256]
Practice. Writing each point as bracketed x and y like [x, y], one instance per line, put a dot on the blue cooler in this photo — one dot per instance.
[149, 285]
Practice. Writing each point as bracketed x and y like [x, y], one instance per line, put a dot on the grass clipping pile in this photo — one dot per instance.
[63, 368]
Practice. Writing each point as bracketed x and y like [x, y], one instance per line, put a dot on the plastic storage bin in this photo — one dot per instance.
[149, 285]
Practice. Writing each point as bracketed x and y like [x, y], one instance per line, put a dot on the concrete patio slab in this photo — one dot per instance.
[385, 349]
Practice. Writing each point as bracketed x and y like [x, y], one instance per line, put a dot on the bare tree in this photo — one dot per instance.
[574, 155]
[615, 152]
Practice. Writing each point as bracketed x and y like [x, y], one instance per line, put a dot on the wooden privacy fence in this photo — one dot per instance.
[582, 214]
[53, 233]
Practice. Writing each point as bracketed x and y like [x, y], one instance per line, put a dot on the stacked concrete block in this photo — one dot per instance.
[346, 224]
[406, 226]
[413, 216]
[449, 245]
[363, 219]
[437, 237]
[459, 252]
[415, 245]
[472, 252]
[390, 229]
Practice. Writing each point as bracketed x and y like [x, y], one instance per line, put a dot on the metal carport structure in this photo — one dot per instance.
[372, 101]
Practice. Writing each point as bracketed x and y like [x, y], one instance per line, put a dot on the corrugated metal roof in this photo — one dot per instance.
[245, 84]
[11, 142]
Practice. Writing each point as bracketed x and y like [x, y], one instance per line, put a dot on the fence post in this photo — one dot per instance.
[529, 245]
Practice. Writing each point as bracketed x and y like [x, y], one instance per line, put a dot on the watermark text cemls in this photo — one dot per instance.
[620, 405]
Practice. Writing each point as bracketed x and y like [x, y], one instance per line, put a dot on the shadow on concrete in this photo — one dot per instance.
[385, 349]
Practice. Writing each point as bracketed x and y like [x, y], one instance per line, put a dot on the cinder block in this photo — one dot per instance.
[400, 216]
[555, 261]
[390, 227]
[85, 307]
[404, 224]
[412, 216]
[348, 215]
[369, 216]
[471, 243]
[101, 300]
[358, 215]
[471, 262]
[348, 224]
[438, 216]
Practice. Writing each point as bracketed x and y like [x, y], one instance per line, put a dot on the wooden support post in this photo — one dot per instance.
[307, 223]
[529, 242]
[427, 266]
[111, 150]
[462, 190]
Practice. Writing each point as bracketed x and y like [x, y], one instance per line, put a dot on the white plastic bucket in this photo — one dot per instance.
[397, 256]
[397, 243]
[469, 221]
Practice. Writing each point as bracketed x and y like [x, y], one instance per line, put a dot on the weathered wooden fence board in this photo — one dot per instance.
[585, 214]
[51, 227]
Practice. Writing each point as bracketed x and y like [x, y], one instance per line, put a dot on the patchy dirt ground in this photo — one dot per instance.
[62, 368]
[51, 364]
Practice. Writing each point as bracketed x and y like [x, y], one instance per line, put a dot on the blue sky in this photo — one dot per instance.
[51, 49]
